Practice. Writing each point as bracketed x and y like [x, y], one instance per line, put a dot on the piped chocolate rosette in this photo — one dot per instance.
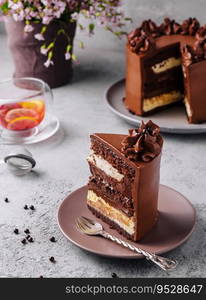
[144, 143]
[142, 39]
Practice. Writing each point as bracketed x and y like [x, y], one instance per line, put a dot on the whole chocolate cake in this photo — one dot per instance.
[166, 64]
[124, 182]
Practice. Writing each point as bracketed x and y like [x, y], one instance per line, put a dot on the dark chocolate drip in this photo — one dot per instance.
[142, 144]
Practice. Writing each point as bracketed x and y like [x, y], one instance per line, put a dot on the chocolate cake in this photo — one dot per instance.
[124, 182]
[166, 64]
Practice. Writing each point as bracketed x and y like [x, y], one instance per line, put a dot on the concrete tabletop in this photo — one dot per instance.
[62, 168]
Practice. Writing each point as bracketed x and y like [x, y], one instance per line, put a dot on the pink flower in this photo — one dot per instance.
[39, 37]
[43, 50]
[28, 28]
[48, 63]
[67, 56]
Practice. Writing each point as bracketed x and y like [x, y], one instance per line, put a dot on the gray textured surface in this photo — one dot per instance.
[61, 168]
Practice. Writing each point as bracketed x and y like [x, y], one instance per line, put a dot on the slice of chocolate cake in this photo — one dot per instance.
[124, 182]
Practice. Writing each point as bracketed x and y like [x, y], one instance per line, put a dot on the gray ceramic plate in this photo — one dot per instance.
[172, 120]
[175, 224]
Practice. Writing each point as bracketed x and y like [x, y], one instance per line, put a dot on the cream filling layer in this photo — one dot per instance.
[188, 108]
[166, 64]
[105, 166]
[115, 215]
[161, 100]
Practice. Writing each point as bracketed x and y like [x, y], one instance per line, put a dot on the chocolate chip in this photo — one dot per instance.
[32, 207]
[27, 231]
[16, 231]
[23, 241]
[6, 200]
[52, 239]
[41, 276]
[28, 236]
[31, 240]
[114, 275]
[26, 207]
[52, 259]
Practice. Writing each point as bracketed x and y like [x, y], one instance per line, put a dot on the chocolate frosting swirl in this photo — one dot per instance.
[144, 143]
[170, 27]
[190, 26]
[142, 39]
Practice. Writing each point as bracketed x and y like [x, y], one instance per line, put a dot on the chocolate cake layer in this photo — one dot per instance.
[115, 199]
[110, 156]
[124, 186]
[163, 82]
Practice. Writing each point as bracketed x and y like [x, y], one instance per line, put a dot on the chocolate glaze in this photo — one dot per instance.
[145, 186]
[196, 91]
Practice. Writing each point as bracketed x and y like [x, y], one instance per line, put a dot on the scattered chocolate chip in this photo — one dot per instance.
[23, 241]
[114, 275]
[52, 259]
[27, 231]
[28, 236]
[52, 239]
[41, 276]
[26, 207]
[6, 200]
[32, 207]
[31, 240]
[16, 231]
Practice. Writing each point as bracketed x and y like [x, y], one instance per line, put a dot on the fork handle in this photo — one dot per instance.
[163, 262]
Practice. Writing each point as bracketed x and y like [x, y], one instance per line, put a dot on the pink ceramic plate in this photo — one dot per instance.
[176, 222]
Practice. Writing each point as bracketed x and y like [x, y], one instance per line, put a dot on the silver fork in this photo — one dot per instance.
[90, 227]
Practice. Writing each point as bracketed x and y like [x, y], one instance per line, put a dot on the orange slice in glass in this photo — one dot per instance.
[22, 123]
[20, 112]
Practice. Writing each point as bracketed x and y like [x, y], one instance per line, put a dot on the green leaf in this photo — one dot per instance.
[50, 55]
[5, 7]
[74, 57]
[51, 45]
[69, 47]
[44, 28]
[81, 45]
[91, 27]
[81, 27]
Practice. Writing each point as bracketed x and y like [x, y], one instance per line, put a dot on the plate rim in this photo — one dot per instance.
[129, 119]
[135, 256]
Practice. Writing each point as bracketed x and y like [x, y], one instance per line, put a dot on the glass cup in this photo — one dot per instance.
[25, 106]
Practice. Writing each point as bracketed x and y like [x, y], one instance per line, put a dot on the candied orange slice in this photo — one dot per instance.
[22, 123]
